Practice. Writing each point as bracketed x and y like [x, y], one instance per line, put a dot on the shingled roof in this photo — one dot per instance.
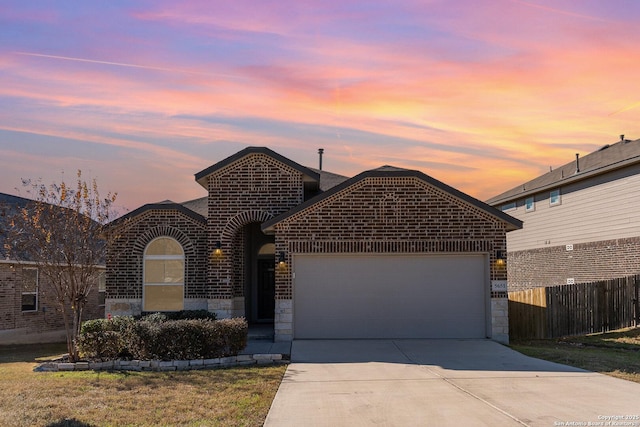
[607, 158]
[329, 179]
[199, 206]
[9, 205]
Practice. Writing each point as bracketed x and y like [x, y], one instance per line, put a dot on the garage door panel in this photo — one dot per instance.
[358, 296]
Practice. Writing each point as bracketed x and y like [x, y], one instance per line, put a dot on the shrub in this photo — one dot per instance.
[104, 339]
[188, 339]
[235, 331]
[155, 337]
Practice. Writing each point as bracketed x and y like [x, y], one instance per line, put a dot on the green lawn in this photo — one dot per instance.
[614, 353]
[224, 397]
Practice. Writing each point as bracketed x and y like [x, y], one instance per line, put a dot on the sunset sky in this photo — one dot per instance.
[141, 95]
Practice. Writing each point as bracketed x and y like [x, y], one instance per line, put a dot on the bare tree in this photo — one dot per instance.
[62, 233]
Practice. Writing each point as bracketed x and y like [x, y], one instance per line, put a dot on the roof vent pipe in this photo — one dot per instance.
[320, 152]
[621, 137]
[577, 163]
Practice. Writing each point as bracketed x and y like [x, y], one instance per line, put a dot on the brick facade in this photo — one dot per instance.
[254, 189]
[42, 325]
[389, 215]
[125, 256]
[585, 262]
[400, 212]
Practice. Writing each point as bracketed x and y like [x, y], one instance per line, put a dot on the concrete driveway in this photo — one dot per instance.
[442, 383]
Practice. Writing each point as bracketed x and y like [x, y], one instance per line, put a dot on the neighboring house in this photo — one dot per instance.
[581, 221]
[389, 253]
[28, 312]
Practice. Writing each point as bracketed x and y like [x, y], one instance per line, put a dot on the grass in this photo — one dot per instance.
[613, 353]
[238, 396]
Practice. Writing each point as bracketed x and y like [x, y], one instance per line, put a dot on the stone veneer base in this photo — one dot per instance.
[162, 365]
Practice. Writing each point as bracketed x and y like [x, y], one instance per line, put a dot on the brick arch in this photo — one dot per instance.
[164, 231]
[242, 219]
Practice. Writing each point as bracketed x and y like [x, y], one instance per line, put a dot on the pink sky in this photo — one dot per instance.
[141, 95]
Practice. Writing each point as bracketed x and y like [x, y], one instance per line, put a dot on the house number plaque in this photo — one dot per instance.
[498, 286]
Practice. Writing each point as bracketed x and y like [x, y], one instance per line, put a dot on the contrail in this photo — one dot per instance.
[560, 11]
[627, 108]
[122, 64]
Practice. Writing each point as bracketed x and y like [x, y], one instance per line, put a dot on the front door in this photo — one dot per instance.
[266, 289]
[259, 273]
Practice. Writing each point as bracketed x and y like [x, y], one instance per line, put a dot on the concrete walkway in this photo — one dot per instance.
[260, 341]
[442, 383]
[267, 347]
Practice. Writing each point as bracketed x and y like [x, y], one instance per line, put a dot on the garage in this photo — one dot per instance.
[390, 296]
[391, 253]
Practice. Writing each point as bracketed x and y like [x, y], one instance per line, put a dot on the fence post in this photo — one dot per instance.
[636, 309]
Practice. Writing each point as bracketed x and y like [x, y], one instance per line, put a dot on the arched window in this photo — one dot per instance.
[267, 249]
[163, 276]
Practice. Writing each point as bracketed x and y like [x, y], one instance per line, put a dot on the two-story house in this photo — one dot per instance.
[581, 221]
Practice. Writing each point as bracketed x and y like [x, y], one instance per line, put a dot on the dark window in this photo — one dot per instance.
[30, 289]
[102, 288]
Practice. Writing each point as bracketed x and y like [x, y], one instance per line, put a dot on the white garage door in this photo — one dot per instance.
[390, 296]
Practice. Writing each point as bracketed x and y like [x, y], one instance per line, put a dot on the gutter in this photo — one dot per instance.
[568, 180]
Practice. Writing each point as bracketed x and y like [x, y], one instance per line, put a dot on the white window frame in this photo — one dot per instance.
[551, 197]
[528, 208]
[102, 288]
[163, 258]
[30, 292]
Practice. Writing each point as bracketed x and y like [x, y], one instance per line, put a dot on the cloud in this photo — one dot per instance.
[482, 96]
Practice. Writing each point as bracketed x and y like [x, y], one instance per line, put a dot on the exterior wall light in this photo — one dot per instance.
[281, 259]
[218, 248]
[501, 257]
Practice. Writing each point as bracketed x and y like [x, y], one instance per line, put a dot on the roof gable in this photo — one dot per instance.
[390, 171]
[308, 174]
[165, 205]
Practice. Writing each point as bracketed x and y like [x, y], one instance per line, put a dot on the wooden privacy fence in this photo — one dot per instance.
[582, 308]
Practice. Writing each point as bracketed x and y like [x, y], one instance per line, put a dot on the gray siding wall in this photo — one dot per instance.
[596, 209]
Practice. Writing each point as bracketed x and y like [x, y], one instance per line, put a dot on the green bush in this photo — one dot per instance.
[105, 339]
[235, 332]
[155, 337]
